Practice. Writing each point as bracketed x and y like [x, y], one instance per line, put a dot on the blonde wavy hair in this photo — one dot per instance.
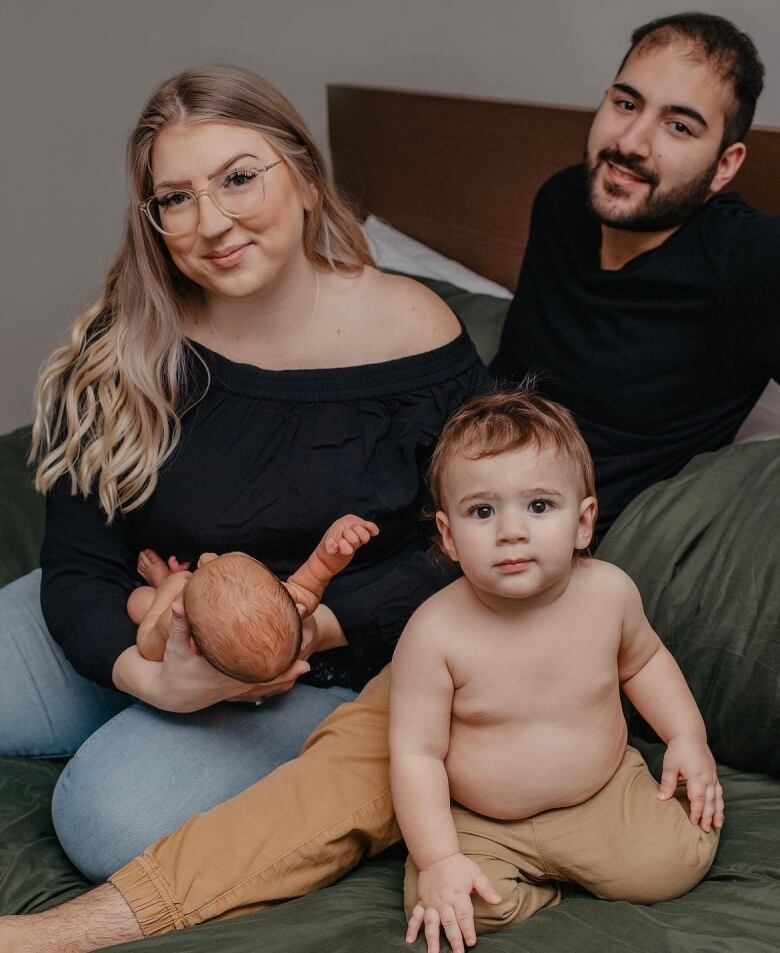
[108, 402]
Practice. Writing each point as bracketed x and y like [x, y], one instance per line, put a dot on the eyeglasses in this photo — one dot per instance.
[177, 211]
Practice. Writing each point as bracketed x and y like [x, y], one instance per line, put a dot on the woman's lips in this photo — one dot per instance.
[230, 257]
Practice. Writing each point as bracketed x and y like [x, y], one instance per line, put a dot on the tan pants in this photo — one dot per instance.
[621, 844]
[301, 827]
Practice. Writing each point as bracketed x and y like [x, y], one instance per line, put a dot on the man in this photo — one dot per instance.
[647, 302]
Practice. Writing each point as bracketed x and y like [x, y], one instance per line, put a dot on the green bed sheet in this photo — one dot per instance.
[736, 909]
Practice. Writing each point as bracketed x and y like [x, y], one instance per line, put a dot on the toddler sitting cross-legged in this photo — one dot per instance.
[510, 771]
[243, 619]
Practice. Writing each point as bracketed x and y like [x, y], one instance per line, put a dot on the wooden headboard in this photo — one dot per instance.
[461, 174]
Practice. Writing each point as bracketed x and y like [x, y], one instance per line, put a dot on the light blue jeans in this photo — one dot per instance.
[136, 773]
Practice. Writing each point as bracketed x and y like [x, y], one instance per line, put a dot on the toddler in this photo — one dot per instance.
[509, 766]
[243, 620]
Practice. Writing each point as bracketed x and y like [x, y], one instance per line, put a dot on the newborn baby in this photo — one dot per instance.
[244, 620]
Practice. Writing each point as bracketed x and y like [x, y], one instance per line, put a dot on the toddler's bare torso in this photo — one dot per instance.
[536, 716]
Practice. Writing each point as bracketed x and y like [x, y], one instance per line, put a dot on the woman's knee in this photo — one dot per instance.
[96, 827]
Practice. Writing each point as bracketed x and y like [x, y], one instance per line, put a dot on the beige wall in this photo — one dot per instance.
[73, 76]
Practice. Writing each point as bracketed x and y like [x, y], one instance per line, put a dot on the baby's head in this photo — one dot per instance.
[514, 489]
[242, 618]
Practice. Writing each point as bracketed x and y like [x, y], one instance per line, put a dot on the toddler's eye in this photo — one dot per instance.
[540, 506]
[482, 511]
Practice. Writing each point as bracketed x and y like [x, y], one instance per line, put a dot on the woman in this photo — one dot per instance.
[246, 377]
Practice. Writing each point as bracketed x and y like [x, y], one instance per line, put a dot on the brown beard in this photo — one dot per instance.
[660, 211]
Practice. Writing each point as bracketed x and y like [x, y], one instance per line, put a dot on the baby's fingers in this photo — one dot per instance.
[697, 795]
[465, 914]
[668, 782]
[485, 888]
[432, 925]
[415, 922]
[717, 820]
[451, 925]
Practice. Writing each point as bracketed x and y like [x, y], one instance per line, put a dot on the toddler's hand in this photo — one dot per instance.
[348, 534]
[689, 759]
[444, 890]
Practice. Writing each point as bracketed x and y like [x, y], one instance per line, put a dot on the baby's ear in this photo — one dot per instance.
[443, 526]
[588, 510]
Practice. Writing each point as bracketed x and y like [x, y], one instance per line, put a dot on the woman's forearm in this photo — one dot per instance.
[330, 635]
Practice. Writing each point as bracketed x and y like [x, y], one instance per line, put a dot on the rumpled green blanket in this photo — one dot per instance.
[703, 549]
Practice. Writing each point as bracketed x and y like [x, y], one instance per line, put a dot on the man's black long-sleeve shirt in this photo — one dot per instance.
[660, 360]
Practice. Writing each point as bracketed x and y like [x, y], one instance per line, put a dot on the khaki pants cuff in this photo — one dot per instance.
[148, 895]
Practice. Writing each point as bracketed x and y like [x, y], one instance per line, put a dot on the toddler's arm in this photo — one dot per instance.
[421, 695]
[653, 682]
[154, 628]
[334, 552]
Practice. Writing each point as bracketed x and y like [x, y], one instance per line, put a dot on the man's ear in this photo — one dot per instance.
[728, 166]
[443, 526]
[586, 522]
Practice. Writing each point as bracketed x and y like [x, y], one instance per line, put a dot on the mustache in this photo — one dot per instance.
[631, 163]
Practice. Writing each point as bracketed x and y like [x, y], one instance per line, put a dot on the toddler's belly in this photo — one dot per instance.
[510, 773]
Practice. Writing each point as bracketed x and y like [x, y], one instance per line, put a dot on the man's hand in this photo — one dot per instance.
[689, 759]
[444, 890]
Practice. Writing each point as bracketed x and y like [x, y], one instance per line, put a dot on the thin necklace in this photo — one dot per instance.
[307, 333]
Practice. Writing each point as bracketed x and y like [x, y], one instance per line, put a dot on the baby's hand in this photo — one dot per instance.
[689, 759]
[444, 890]
[348, 534]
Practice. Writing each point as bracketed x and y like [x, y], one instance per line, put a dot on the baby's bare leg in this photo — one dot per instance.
[334, 552]
[154, 628]
[139, 602]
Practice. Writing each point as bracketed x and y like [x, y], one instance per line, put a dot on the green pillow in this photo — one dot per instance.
[704, 549]
[21, 509]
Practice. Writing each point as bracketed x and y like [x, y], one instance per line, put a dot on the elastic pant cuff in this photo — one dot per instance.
[147, 893]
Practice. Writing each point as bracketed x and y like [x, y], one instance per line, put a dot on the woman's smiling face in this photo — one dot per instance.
[230, 257]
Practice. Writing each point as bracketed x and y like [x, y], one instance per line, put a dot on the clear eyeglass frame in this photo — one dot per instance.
[145, 209]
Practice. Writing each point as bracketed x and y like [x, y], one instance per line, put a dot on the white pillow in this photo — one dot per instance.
[392, 249]
[763, 421]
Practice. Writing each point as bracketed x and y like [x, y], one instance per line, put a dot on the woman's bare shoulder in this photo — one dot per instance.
[415, 318]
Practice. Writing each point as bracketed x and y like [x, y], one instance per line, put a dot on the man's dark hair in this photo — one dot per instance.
[734, 54]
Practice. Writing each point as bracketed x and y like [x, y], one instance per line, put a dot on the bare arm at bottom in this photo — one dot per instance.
[92, 921]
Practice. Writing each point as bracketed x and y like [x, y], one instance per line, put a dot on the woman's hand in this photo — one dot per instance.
[184, 681]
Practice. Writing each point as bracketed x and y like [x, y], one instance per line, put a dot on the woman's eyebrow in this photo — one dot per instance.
[225, 165]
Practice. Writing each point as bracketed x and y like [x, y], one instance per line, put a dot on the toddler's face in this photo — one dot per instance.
[514, 520]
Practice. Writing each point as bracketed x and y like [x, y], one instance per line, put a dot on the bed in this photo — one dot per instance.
[459, 176]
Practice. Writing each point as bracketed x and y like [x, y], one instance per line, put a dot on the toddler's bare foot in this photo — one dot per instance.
[348, 534]
[152, 567]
